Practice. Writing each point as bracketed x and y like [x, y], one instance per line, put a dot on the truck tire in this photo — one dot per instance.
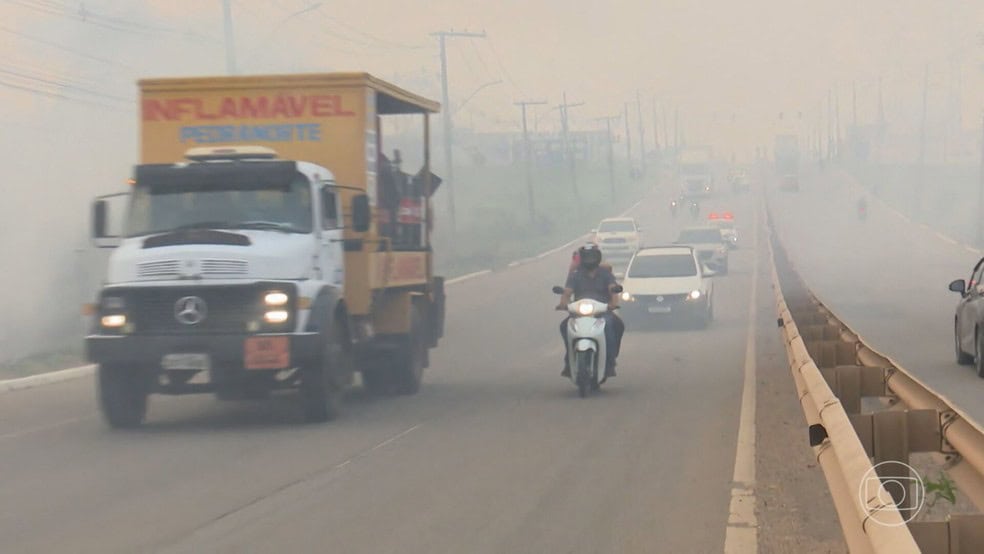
[410, 360]
[123, 395]
[377, 379]
[321, 386]
[437, 313]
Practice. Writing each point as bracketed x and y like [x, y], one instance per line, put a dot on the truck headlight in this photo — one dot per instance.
[275, 298]
[276, 316]
[113, 321]
[112, 303]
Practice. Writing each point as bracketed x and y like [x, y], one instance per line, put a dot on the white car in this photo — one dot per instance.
[668, 281]
[709, 244]
[618, 238]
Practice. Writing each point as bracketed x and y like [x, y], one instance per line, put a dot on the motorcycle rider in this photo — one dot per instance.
[594, 280]
[862, 207]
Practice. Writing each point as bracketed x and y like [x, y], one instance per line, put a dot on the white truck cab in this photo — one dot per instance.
[225, 279]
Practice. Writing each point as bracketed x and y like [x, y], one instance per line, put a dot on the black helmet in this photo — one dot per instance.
[590, 256]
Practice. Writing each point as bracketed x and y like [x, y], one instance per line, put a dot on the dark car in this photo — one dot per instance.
[968, 322]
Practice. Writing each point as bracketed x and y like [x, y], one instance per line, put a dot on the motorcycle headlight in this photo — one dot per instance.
[585, 308]
[626, 297]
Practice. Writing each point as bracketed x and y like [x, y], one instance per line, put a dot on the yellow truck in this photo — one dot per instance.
[267, 243]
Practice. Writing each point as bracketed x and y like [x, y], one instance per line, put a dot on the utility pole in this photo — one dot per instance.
[659, 156]
[628, 140]
[568, 151]
[854, 105]
[442, 37]
[642, 137]
[528, 157]
[676, 128]
[230, 43]
[611, 151]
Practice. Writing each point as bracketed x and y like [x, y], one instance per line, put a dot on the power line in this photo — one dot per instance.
[64, 48]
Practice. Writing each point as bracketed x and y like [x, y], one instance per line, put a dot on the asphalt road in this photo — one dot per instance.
[496, 454]
[886, 277]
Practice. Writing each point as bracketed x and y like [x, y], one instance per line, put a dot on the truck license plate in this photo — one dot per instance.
[266, 353]
[199, 362]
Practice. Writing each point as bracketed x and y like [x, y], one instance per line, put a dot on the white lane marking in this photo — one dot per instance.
[946, 238]
[46, 378]
[464, 278]
[971, 249]
[18, 434]
[392, 439]
[741, 535]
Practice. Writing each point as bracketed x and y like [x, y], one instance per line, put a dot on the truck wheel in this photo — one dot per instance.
[409, 362]
[123, 395]
[321, 387]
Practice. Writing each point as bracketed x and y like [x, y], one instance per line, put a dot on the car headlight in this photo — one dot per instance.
[585, 308]
[694, 295]
[275, 298]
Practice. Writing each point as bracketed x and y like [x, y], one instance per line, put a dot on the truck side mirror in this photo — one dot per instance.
[100, 209]
[360, 213]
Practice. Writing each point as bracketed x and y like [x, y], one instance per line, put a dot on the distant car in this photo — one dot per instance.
[668, 282]
[709, 244]
[726, 223]
[968, 322]
[789, 183]
[618, 238]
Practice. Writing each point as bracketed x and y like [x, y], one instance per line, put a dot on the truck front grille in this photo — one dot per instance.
[226, 309]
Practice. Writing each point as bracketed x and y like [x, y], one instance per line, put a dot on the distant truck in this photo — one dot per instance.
[787, 161]
[267, 245]
[695, 171]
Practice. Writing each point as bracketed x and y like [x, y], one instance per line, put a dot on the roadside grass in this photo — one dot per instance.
[43, 362]
[493, 228]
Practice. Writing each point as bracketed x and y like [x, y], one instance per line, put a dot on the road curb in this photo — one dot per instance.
[49, 378]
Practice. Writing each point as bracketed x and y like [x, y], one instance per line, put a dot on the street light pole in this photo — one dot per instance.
[611, 152]
[528, 157]
[447, 116]
[230, 43]
[568, 151]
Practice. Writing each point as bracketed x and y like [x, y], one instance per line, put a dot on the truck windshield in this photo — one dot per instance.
[160, 209]
[669, 265]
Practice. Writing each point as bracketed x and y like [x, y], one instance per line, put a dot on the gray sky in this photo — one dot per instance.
[730, 67]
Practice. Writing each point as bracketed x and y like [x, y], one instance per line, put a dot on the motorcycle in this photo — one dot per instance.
[586, 342]
[694, 210]
[862, 210]
[674, 207]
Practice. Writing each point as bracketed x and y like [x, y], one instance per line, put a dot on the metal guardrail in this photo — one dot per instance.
[864, 456]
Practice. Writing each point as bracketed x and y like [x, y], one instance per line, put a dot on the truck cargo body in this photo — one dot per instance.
[268, 244]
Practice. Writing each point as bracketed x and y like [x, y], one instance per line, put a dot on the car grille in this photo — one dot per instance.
[227, 309]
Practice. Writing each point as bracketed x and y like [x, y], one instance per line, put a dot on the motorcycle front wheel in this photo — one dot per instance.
[584, 363]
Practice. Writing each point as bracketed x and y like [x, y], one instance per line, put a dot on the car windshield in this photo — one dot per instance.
[616, 227]
[700, 236]
[670, 265]
[162, 208]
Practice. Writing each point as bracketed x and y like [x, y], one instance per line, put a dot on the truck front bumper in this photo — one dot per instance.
[227, 351]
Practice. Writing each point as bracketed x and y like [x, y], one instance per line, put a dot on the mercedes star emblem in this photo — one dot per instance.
[190, 310]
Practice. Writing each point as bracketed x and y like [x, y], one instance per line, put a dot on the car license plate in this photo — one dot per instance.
[659, 309]
[199, 362]
[266, 353]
